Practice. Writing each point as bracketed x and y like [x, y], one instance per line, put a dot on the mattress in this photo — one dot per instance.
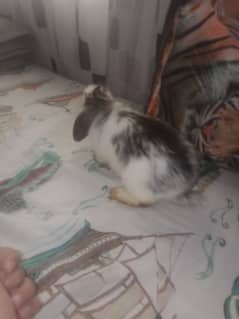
[92, 257]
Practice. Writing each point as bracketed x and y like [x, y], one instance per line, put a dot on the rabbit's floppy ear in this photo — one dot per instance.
[81, 126]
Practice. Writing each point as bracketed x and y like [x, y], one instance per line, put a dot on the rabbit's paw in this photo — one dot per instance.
[122, 195]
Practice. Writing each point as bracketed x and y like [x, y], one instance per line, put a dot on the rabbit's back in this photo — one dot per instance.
[155, 157]
[152, 159]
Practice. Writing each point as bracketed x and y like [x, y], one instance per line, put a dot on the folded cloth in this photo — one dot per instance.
[16, 46]
[15, 64]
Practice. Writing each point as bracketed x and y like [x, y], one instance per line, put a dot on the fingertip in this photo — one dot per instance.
[31, 309]
[9, 258]
[10, 265]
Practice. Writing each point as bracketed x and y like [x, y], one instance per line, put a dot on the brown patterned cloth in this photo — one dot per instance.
[226, 141]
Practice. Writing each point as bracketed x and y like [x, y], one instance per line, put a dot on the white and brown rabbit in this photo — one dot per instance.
[152, 159]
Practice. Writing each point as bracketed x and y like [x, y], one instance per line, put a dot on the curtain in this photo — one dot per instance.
[114, 42]
[104, 41]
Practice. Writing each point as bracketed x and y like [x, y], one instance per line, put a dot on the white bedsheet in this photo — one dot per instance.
[94, 258]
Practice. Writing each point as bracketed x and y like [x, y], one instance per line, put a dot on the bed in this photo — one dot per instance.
[91, 257]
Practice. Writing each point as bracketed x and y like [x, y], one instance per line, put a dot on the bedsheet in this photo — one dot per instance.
[92, 257]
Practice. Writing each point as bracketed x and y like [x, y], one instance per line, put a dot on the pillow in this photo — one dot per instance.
[197, 89]
[16, 46]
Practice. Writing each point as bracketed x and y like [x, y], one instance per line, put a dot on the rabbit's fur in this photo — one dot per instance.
[152, 159]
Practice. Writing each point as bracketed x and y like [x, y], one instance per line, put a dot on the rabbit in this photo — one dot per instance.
[152, 159]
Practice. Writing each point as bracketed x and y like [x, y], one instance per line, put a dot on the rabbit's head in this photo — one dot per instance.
[97, 101]
[96, 95]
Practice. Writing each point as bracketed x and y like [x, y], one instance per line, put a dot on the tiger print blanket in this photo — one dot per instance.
[197, 86]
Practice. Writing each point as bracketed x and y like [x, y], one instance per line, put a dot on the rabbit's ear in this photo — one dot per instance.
[82, 125]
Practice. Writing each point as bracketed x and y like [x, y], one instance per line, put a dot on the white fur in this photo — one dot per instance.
[90, 89]
[100, 140]
[140, 172]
